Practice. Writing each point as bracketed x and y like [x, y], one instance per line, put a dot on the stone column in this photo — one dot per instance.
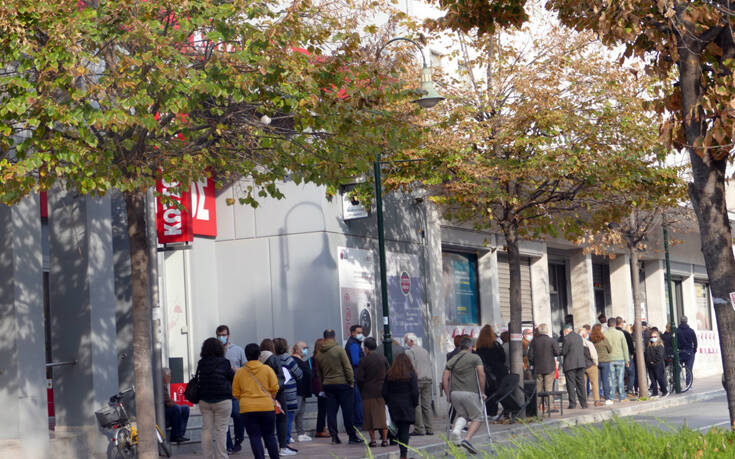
[82, 312]
[23, 424]
[583, 294]
[656, 293]
[540, 287]
[621, 288]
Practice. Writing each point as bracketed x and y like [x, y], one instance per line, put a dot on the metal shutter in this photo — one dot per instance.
[504, 284]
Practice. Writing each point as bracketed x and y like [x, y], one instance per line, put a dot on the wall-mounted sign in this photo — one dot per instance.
[204, 207]
[351, 208]
[173, 222]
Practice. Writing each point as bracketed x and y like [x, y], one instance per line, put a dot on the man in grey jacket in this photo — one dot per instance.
[422, 364]
[574, 365]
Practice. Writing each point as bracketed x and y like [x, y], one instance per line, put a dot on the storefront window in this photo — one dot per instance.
[704, 317]
[460, 287]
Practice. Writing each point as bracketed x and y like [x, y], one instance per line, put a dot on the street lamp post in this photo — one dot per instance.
[429, 98]
[674, 343]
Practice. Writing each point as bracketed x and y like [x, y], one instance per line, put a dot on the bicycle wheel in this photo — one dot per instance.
[125, 447]
[686, 375]
[163, 448]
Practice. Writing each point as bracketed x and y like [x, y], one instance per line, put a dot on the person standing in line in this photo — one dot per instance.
[602, 319]
[654, 355]
[291, 387]
[300, 354]
[321, 397]
[421, 362]
[494, 362]
[236, 356]
[177, 416]
[603, 348]
[542, 356]
[255, 386]
[463, 380]
[456, 340]
[574, 365]
[370, 377]
[215, 397]
[630, 370]
[591, 373]
[401, 394]
[619, 359]
[269, 357]
[353, 348]
[687, 341]
[527, 338]
[338, 379]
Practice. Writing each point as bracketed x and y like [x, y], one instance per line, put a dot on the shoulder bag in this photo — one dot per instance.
[192, 389]
[276, 404]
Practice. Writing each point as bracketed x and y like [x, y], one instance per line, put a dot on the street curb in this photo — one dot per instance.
[519, 430]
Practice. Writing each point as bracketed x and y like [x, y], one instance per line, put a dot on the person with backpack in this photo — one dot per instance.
[354, 351]
[269, 357]
[290, 386]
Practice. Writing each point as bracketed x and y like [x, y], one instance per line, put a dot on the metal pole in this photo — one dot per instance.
[156, 316]
[674, 344]
[387, 341]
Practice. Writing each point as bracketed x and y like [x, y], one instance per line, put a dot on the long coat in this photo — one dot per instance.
[541, 354]
[573, 351]
[402, 398]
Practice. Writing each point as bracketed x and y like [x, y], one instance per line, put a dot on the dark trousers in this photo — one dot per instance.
[402, 436]
[177, 416]
[321, 413]
[260, 426]
[282, 428]
[630, 373]
[575, 387]
[340, 396]
[656, 373]
[237, 423]
[687, 358]
[357, 407]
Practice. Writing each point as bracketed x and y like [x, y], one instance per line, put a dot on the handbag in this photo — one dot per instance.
[276, 403]
[191, 393]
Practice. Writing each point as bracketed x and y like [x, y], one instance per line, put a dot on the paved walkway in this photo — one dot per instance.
[704, 389]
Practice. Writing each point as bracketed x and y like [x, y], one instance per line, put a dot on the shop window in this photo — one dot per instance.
[461, 288]
[704, 314]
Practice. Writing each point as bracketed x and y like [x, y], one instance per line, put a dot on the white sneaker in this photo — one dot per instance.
[287, 452]
[303, 437]
[608, 402]
[456, 435]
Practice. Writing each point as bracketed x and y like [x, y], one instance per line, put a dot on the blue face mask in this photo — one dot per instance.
[223, 339]
[360, 337]
[305, 352]
[654, 339]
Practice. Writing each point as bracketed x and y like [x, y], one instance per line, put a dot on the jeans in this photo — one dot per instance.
[299, 418]
[214, 427]
[605, 379]
[617, 385]
[402, 437]
[238, 425]
[321, 413]
[630, 373]
[260, 426]
[177, 416]
[289, 424]
[357, 407]
[340, 396]
[687, 358]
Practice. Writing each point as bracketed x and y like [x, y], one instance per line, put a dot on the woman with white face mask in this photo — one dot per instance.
[655, 363]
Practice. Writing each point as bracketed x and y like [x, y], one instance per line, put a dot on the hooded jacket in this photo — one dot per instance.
[686, 339]
[334, 366]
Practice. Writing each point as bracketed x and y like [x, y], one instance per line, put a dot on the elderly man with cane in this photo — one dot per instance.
[463, 380]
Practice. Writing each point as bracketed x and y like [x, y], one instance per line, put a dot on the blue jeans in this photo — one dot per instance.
[686, 358]
[630, 372]
[177, 416]
[239, 427]
[357, 408]
[289, 419]
[261, 427]
[617, 383]
[605, 379]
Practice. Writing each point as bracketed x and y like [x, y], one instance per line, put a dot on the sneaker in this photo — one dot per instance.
[303, 437]
[286, 452]
[608, 402]
[292, 449]
[468, 446]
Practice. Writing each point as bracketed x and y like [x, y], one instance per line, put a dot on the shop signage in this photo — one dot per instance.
[173, 222]
[204, 207]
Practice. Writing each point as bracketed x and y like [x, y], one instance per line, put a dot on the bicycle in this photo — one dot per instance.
[122, 431]
[685, 374]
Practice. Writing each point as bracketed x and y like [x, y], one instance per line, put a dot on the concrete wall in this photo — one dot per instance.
[582, 292]
[23, 425]
[622, 293]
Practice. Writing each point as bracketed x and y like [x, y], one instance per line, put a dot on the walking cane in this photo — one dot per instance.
[484, 406]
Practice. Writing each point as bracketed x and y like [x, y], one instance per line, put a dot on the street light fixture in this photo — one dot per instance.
[427, 100]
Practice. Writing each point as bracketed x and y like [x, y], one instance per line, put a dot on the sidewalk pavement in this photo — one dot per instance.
[320, 448]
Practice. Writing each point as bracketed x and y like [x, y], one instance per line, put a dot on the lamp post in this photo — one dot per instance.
[674, 344]
[427, 100]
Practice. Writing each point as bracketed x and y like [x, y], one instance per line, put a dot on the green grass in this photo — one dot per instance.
[616, 439]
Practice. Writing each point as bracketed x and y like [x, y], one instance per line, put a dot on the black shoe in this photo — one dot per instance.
[468, 446]
[336, 440]
[429, 433]
[236, 447]
[584, 407]
[415, 434]
[355, 441]
[571, 407]
[181, 439]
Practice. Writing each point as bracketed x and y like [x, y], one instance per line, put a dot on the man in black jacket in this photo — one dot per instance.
[541, 355]
[574, 366]
[619, 323]
[687, 341]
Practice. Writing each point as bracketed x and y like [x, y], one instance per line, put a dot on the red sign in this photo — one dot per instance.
[177, 394]
[405, 283]
[172, 222]
[204, 206]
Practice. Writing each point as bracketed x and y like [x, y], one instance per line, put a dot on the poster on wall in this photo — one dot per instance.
[460, 288]
[356, 289]
[405, 295]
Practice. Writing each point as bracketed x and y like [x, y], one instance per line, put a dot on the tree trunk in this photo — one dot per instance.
[640, 363]
[142, 349]
[516, 305]
[707, 192]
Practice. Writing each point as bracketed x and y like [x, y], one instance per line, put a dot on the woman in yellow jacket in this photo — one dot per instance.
[255, 386]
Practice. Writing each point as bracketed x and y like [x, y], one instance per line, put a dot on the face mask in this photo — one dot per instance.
[529, 338]
[305, 352]
[223, 339]
[360, 337]
[654, 339]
